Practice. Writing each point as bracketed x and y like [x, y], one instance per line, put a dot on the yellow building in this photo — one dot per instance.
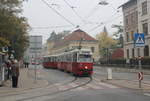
[75, 40]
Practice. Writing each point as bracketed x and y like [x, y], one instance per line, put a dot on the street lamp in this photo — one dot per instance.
[103, 2]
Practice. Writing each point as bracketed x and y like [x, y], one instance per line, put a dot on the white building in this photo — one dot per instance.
[144, 25]
[136, 19]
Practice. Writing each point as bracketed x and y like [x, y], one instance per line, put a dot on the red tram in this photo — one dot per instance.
[50, 61]
[78, 62]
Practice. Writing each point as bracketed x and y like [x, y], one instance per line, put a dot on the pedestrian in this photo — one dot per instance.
[8, 65]
[15, 73]
[26, 62]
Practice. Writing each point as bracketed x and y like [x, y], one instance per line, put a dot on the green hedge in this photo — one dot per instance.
[133, 62]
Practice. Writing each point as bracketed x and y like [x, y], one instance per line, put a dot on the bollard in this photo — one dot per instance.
[109, 73]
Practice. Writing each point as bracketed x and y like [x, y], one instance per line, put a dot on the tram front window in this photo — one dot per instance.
[84, 58]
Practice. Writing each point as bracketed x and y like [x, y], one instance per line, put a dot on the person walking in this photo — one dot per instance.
[8, 65]
[15, 73]
[26, 62]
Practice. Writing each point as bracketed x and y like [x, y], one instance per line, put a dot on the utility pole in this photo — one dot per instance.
[139, 41]
[140, 72]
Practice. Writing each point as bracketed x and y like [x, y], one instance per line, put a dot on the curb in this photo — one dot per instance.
[109, 82]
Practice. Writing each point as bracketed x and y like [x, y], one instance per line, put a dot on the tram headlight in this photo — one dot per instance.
[86, 67]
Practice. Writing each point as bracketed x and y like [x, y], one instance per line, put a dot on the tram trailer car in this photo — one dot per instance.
[50, 62]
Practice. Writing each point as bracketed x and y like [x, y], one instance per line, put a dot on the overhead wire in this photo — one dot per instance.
[95, 9]
[74, 11]
[58, 13]
[103, 23]
[51, 27]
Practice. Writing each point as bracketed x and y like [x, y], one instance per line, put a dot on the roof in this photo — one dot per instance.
[78, 35]
[127, 3]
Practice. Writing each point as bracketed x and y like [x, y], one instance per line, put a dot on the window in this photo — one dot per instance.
[145, 28]
[132, 35]
[133, 55]
[74, 57]
[92, 49]
[127, 35]
[127, 53]
[138, 51]
[126, 20]
[144, 8]
[85, 58]
[146, 51]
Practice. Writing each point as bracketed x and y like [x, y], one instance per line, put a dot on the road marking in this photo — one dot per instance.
[147, 94]
[108, 85]
[94, 86]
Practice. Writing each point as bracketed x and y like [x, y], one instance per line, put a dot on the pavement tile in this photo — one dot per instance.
[26, 82]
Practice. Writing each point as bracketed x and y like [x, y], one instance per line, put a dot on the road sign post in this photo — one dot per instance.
[140, 77]
[139, 41]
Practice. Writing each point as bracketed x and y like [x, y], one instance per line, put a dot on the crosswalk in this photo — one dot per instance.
[53, 91]
[94, 85]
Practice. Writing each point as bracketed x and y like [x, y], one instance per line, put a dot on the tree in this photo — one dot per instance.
[59, 36]
[118, 35]
[13, 28]
[119, 30]
[105, 42]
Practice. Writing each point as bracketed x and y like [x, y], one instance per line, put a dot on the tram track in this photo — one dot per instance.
[27, 90]
[60, 91]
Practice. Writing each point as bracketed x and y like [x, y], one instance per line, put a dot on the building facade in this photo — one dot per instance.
[136, 19]
[35, 48]
[75, 40]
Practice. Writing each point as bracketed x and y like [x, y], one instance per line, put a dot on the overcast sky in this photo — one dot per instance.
[45, 16]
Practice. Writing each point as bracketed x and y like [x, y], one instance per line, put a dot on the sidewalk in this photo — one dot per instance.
[121, 69]
[129, 84]
[26, 82]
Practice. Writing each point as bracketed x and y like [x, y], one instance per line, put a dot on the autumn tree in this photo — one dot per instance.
[105, 42]
[13, 27]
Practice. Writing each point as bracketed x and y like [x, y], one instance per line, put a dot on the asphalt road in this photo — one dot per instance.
[65, 87]
[119, 75]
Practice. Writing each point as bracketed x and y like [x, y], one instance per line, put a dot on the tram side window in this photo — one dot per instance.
[45, 59]
[49, 59]
[59, 59]
[54, 59]
[75, 57]
[68, 58]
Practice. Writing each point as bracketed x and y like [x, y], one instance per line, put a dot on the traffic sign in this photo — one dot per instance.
[140, 75]
[139, 39]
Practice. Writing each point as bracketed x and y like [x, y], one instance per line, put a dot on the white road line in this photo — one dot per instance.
[61, 88]
[94, 86]
[73, 85]
[108, 85]
[147, 94]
